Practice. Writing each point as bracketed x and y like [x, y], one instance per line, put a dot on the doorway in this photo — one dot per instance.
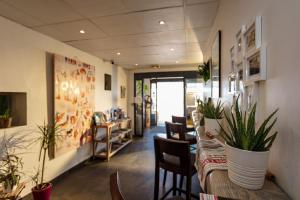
[159, 95]
[170, 100]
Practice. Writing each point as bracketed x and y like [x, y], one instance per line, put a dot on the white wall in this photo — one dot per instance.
[281, 30]
[130, 81]
[23, 69]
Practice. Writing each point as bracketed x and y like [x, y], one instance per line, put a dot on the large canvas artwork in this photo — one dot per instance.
[74, 102]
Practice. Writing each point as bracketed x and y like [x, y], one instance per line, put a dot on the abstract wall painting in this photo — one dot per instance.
[74, 102]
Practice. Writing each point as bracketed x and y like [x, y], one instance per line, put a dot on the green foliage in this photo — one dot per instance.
[5, 115]
[4, 105]
[241, 130]
[212, 111]
[10, 168]
[49, 134]
[204, 71]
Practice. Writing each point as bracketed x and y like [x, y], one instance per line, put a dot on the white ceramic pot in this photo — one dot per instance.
[247, 168]
[212, 126]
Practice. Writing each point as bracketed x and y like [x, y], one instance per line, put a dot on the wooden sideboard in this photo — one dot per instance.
[116, 136]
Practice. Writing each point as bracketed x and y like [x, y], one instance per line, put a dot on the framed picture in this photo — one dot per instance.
[232, 59]
[240, 45]
[239, 76]
[123, 92]
[256, 65]
[253, 36]
[216, 67]
[107, 82]
[232, 83]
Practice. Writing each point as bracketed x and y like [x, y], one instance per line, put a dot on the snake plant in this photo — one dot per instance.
[212, 111]
[242, 134]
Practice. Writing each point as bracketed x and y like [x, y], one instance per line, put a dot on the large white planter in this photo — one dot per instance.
[212, 126]
[247, 168]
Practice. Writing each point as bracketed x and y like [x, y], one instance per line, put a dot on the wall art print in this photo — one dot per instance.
[74, 102]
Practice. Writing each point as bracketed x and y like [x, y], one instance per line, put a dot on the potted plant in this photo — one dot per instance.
[10, 170]
[48, 133]
[247, 148]
[5, 119]
[213, 116]
[204, 71]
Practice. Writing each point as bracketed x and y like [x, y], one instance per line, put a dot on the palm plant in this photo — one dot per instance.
[49, 133]
[212, 111]
[204, 71]
[241, 132]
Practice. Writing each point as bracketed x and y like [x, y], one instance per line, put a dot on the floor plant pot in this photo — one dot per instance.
[247, 168]
[42, 194]
[5, 122]
[212, 126]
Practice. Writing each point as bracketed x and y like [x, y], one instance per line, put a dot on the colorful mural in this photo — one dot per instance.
[74, 102]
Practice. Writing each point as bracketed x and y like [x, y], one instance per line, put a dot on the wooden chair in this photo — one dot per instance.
[115, 190]
[173, 156]
[182, 120]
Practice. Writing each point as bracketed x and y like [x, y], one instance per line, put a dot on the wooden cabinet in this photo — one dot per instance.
[117, 135]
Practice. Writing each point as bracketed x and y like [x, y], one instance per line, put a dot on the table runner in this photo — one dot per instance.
[210, 156]
[212, 197]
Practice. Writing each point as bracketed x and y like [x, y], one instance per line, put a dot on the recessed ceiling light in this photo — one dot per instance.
[136, 64]
[177, 61]
[118, 53]
[172, 49]
[82, 31]
[162, 22]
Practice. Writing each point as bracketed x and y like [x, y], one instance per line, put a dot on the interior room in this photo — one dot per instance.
[149, 99]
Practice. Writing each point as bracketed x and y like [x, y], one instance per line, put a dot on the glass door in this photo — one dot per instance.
[138, 107]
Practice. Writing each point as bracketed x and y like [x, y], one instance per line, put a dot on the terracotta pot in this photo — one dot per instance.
[247, 168]
[5, 123]
[43, 194]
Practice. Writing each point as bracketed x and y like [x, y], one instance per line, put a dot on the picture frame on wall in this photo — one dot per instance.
[107, 82]
[256, 65]
[123, 92]
[240, 76]
[216, 66]
[232, 59]
[240, 45]
[253, 36]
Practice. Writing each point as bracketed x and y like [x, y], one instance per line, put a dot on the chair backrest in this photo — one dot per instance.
[173, 129]
[115, 190]
[181, 120]
[178, 150]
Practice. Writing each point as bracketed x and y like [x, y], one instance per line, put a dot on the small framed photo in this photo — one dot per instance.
[123, 92]
[107, 82]
[232, 59]
[232, 83]
[240, 49]
[256, 65]
[253, 35]
[239, 76]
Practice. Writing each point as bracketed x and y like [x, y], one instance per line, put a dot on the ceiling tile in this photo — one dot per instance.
[150, 4]
[97, 8]
[174, 18]
[53, 11]
[171, 37]
[18, 15]
[70, 30]
[119, 24]
[201, 15]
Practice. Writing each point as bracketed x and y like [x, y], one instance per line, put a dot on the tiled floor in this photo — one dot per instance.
[135, 164]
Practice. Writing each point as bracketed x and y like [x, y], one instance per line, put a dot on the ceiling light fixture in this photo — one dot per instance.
[177, 61]
[161, 22]
[136, 64]
[172, 49]
[118, 53]
[82, 31]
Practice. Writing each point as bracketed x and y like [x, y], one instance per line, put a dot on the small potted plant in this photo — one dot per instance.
[204, 71]
[11, 166]
[213, 116]
[48, 134]
[5, 119]
[247, 148]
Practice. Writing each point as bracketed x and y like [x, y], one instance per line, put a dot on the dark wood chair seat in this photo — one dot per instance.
[115, 190]
[174, 156]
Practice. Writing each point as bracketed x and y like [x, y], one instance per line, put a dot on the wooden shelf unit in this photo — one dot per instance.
[115, 139]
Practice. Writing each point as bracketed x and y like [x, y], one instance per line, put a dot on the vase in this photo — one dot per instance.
[5, 122]
[247, 168]
[212, 126]
[42, 194]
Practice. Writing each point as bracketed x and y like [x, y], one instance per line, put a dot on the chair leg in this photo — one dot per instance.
[188, 187]
[156, 183]
[174, 183]
[165, 177]
[181, 184]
